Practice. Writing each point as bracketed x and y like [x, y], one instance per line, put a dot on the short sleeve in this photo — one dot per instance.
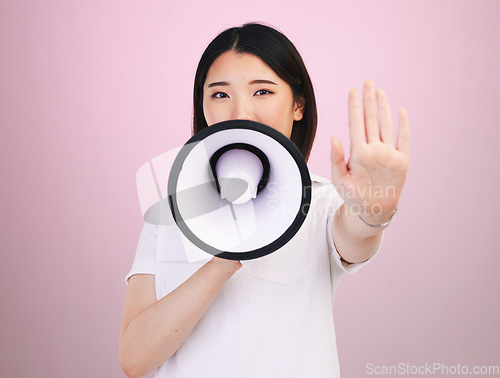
[145, 255]
[334, 203]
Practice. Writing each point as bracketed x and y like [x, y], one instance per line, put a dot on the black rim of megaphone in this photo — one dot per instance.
[264, 129]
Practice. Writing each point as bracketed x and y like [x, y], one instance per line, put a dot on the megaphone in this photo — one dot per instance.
[237, 190]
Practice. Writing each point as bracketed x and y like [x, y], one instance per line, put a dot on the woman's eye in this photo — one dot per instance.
[262, 92]
[220, 95]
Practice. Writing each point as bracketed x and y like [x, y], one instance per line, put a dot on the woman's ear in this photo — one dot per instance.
[299, 108]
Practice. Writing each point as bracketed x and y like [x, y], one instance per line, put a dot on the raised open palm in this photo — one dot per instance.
[372, 180]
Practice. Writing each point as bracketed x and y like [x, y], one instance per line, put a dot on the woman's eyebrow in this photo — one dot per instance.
[225, 83]
[263, 82]
[217, 83]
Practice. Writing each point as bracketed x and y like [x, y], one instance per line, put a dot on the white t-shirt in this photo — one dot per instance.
[274, 317]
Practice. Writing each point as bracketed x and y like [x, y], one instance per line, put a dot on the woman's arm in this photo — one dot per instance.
[355, 241]
[151, 330]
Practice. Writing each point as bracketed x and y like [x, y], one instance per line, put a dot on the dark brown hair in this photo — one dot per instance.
[281, 56]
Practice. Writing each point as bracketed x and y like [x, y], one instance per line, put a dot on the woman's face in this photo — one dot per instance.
[242, 86]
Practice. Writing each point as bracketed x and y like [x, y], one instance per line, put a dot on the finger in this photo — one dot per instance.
[403, 143]
[339, 168]
[370, 112]
[356, 128]
[385, 117]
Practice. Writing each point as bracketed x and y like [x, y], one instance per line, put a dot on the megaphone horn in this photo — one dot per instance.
[239, 190]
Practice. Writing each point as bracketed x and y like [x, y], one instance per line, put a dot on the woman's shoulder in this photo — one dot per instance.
[324, 192]
[319, 179]
[320, 184]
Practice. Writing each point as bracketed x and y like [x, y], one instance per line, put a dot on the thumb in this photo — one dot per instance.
[339, 168]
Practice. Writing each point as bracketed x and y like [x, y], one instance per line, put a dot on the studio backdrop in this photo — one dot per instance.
[91, 90]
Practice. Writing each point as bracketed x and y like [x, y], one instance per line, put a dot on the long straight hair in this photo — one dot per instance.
[279, 53]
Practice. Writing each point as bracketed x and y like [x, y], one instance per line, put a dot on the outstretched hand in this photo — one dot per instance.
[372, 180]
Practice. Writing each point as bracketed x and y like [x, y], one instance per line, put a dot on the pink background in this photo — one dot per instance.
[89, 90]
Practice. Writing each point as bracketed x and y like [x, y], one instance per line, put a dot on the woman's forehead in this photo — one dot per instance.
[232, 66]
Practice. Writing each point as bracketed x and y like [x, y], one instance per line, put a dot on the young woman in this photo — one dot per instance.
[272, 317]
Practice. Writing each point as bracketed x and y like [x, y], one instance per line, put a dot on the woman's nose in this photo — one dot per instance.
[243, 110]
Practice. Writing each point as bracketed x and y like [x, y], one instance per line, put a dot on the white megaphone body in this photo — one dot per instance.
[238, 190]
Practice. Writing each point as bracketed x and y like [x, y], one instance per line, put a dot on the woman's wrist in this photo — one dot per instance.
[360, 224]
[377, 223]
[224, 266]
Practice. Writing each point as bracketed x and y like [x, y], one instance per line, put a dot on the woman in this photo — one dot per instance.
[273, 317]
